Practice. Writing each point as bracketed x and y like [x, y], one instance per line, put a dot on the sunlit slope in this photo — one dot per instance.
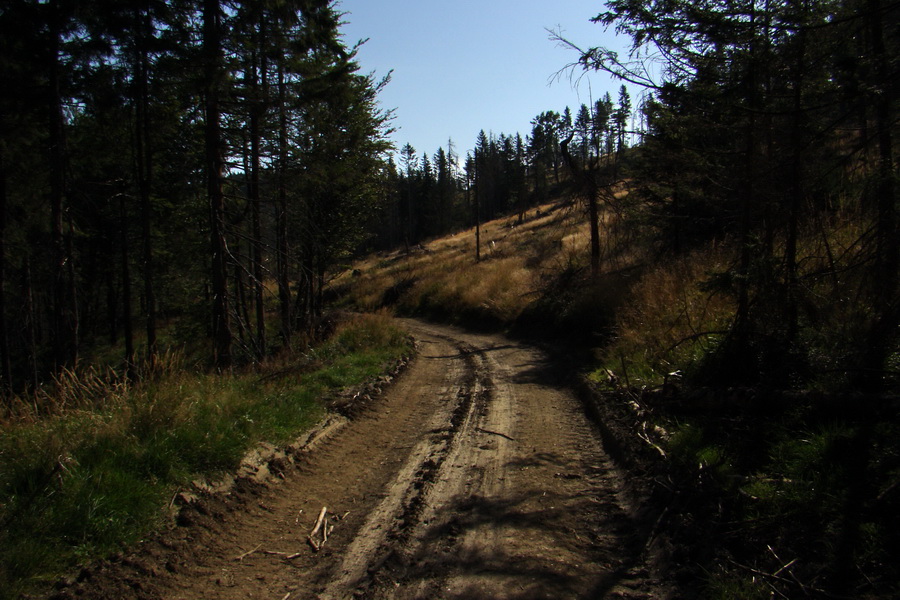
[527, 267]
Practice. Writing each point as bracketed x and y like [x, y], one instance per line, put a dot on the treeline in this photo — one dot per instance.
[773, 130]
[429, 196]
[189, 158]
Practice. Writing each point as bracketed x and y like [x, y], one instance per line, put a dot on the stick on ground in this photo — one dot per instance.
[318, 527]
[488, 431]
[248, 553]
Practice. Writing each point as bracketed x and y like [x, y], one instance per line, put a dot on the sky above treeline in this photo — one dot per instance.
[465, 65]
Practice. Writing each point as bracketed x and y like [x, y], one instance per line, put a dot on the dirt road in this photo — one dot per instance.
[475, 476]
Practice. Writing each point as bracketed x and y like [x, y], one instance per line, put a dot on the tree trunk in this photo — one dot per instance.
[477, 194]
[71, 290]
[796, 193]
[6, 384]
[127, 324]
[257, 258]
[887, 258]
[281, 215]
[303, 299]
[112, 305]
[240, 305]
[212, 48]
[63, 330]
[144, 162]
[741, 325]
[30, 318]
[320, 290]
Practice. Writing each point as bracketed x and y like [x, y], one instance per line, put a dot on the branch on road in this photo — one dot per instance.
[503, 435]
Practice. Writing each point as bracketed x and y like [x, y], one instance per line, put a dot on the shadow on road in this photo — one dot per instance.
[500, 564]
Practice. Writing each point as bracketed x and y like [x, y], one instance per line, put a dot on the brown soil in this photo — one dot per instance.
[476, 475]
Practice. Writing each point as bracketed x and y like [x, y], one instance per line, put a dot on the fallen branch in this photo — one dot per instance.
[311, 538]
[319, 521]
[887, 491]
[646, 438]
[787, 566]
[696, 336]
[248, 553]
[488, 431]
[806, 588]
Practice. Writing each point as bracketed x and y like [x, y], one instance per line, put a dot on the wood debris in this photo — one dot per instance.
[319, 535]
[489, 432]
[248, 553]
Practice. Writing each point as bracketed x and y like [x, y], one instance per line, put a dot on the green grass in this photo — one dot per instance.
[98, 473]
[729, 585]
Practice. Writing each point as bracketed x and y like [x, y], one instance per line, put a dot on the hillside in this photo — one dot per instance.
[531, 270]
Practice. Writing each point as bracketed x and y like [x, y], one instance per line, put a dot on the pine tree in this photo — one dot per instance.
[410, 163]
[444, 190]
[621, 116]
[472, 179]
[583, 128]
[601, 139]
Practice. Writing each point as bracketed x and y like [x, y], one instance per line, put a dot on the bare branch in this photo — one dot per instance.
[604, 59]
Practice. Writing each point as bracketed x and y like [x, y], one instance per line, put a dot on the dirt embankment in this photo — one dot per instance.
[476, 475]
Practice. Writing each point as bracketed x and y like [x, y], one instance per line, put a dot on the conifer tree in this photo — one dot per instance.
[621, 116]
[410, 163]
[762, 105]
[583, 127]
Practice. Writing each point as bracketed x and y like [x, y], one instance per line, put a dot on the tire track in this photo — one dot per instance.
[535, 512]
[389, 528]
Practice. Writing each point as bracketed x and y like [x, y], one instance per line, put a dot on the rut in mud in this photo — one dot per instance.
[475, 476]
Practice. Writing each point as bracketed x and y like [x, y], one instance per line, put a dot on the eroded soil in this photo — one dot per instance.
[475, 476]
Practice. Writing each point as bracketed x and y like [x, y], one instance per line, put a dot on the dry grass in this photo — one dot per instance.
[681, 309]
[443, 277]
[670, 321]
[86, 388]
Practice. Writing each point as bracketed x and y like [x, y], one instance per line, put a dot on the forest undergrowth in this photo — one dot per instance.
[89, 465]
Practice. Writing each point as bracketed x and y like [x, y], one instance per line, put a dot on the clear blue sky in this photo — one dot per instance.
[460, 66]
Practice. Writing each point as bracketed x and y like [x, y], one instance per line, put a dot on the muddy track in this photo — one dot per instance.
[475, 476]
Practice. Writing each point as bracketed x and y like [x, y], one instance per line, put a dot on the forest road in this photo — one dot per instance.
[475, 476]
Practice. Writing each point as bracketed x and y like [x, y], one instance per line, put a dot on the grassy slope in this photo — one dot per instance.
[532, 272]
[97, 472]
